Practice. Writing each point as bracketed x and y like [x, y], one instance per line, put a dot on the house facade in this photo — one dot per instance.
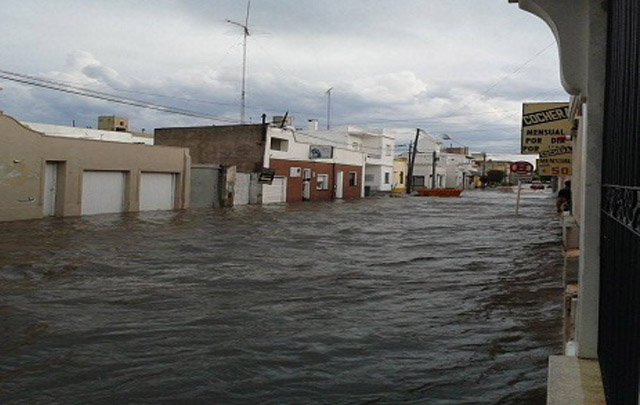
[311, 167]
[378, 146]
[429, 170]
[44, 175]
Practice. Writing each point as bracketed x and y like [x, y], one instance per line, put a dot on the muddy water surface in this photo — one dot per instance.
[389, 300]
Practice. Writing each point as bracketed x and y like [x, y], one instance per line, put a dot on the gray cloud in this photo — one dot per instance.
[391, 64]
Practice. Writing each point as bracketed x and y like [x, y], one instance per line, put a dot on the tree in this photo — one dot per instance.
[495, 176]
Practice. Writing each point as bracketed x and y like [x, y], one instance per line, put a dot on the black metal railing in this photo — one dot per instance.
[619, 330]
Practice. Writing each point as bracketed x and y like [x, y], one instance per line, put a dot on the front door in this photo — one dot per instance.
[339, 184]
[306, 184]
[50, 188]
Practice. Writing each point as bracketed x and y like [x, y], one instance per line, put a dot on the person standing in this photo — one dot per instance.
[563, 202]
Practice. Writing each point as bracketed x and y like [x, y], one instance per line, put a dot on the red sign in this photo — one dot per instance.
[521, 167]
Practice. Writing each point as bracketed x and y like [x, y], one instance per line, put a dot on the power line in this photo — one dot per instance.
[52, 85]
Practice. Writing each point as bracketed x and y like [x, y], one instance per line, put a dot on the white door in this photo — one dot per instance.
[103, 192]
[339, 184]
[50, 188]
[276, 192]
[157, 191]
[306, 184]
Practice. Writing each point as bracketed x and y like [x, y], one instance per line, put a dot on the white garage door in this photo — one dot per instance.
[275, 192]
[157, 191]
[103, 192]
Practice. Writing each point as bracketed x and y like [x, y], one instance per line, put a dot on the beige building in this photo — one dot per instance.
[53, 176]
[400, 168]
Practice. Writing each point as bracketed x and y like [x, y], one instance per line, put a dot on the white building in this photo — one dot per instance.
[377, 145]
[458, 168]
[423, 167]
[89, 133]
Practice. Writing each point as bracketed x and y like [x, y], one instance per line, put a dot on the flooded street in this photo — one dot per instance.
[417, 300]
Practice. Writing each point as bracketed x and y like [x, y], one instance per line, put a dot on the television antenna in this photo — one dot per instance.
[245, 33]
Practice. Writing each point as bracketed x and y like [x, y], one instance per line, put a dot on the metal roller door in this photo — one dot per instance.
[275, 192]
[103, 192]
[157, 191]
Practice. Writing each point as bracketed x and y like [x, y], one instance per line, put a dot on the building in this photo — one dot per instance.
[89, 133]
[400, 169]
[459, 167]
[428, 163]
[378, 145]
[599, 68]
[275, 162]
[44, 175]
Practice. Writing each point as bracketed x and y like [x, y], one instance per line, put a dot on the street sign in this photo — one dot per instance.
[545, 130]
[521, 167]
[545, 126]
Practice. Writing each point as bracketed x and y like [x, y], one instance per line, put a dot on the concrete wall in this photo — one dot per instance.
[24, 153]
[233, 145]
[295, 184]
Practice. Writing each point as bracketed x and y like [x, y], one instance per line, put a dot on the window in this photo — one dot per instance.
[322, 182]
[353, 179]
[355, 146]
[369, 177]
[418, 181]
[401, 177]
[387, 150]
[387, 178]
[279, 144]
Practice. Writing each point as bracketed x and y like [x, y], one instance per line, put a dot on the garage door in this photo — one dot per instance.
[157, 191]
[275, 192]
[103, 192]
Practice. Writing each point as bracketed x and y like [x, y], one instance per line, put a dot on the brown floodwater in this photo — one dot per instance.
[382, 300]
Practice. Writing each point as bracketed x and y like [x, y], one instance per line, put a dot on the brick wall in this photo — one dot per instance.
[295, 184]
[231, 145]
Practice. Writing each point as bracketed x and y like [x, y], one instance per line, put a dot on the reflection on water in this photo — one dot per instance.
[420, 300]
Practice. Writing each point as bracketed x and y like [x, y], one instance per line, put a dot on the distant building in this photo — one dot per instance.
[400, 169]
[113, 123]
[378, 145]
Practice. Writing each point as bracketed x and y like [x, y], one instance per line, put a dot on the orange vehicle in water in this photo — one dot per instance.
[439, 192]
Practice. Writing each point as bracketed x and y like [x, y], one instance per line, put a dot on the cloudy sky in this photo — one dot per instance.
[460, 67]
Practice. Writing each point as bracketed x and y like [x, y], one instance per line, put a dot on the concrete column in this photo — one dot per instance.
[580, 28]
[591, 162]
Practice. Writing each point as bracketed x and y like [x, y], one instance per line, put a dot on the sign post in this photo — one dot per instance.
[521, 169]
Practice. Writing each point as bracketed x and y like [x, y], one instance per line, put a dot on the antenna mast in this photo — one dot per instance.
[245, 33]
[328, 93]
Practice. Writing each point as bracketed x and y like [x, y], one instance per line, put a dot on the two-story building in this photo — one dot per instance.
[378, 146]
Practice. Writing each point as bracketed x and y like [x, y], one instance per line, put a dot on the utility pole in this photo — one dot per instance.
[329, 108]
[409, 179]
[246, 33]
[433, 170]
[484, 168]
[412, 161]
